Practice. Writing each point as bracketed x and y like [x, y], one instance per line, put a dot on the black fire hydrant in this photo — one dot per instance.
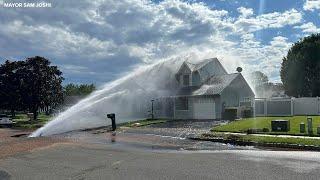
[112, 116]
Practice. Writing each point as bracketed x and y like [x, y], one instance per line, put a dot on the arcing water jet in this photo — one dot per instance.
[128, 97]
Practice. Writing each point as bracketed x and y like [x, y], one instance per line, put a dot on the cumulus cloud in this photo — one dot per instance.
[98, 40]
[269, 20]
[245, 12]
[311, 5]
[308, 28]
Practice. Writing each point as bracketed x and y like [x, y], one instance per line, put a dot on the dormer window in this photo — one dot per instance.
[186, 80]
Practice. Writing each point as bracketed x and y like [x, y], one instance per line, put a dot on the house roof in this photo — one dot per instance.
[213, 86]
[196, 66]
[202, 63]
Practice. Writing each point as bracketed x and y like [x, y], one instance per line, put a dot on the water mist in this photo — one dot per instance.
[128, 97]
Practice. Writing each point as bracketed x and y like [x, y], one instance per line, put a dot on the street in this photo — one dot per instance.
[96, 161]
[145, 153]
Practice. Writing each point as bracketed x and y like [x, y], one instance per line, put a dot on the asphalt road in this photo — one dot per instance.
[99, 161]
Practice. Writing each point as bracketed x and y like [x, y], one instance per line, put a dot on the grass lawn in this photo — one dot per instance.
[22, 121]
[282, 140]
[265, 122]
[143, 122]
[263, 139]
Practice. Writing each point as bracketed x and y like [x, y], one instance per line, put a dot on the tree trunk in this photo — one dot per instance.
[13, 113]
[35, 113]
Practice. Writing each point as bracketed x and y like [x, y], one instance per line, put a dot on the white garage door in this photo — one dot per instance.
[204, 110]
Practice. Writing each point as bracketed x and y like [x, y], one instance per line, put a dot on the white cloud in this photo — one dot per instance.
[114, 35]
[61, 41]
[308, 28]
[311, 5]
[245, 12]
[270, 20]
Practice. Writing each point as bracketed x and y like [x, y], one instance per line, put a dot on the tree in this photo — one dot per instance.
[41, 83]
[30, 85]
[300, 69]
[10, 87]
[259, 79]
[263, 88]
[78, 90]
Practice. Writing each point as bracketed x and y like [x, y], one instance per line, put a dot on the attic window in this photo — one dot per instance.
[185, 80]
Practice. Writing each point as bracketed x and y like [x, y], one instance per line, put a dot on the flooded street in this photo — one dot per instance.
[161, 151]
[171, 135]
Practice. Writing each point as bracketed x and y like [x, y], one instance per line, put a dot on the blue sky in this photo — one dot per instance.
[99, 41]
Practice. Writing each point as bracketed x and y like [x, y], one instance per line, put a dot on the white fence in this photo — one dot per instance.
[287, 106]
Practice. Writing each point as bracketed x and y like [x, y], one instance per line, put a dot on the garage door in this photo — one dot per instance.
[204, 110]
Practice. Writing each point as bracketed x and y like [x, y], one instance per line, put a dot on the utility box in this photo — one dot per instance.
[310, 130]
[280, 125]
[302, 127]
[318, 130]
[30, 116]
[230, 114]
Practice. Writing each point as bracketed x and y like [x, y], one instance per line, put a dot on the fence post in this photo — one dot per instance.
[254, 107]
[318, 105]
[292, 101]
[265, 107]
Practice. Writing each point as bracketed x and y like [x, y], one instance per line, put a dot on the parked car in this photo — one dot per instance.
[5, 121]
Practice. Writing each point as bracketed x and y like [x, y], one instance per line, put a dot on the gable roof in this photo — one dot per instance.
[196, 66]
[213, 86]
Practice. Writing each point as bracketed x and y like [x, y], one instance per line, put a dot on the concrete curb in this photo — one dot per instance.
[257, 144]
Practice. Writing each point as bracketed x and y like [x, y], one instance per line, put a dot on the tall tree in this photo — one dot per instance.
[41, 83]
[258, 78]
[79, 90]
[300, 70]
[10, 86]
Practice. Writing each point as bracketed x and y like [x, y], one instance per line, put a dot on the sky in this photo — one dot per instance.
[97, 41]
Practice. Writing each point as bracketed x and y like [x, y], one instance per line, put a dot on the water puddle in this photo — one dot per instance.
[172, 135]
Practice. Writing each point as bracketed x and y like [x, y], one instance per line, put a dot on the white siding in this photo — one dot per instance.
[237, 91]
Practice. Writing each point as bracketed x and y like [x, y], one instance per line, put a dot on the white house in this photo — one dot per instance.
[207, 91]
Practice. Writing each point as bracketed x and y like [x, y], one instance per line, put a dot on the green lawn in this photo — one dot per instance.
[262, 139]
[22, 121]
[265, 122]
[282, 140]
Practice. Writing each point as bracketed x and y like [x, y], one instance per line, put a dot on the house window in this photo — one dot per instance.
[181, 103]
[185, 80]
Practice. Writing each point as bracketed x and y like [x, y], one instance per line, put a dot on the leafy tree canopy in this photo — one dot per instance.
[300, 70]
[258, 78]
[78, 89]
[30, 84]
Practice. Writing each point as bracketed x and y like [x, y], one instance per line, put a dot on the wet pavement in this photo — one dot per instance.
[15, 141]
[161, 151]
[171, 135]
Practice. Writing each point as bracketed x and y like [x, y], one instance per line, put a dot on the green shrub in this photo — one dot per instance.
[265, 130]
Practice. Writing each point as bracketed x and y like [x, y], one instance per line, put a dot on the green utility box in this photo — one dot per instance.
[230, 114]
[310, 128]
[318, 130]
[302, 127]
[280, 125]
